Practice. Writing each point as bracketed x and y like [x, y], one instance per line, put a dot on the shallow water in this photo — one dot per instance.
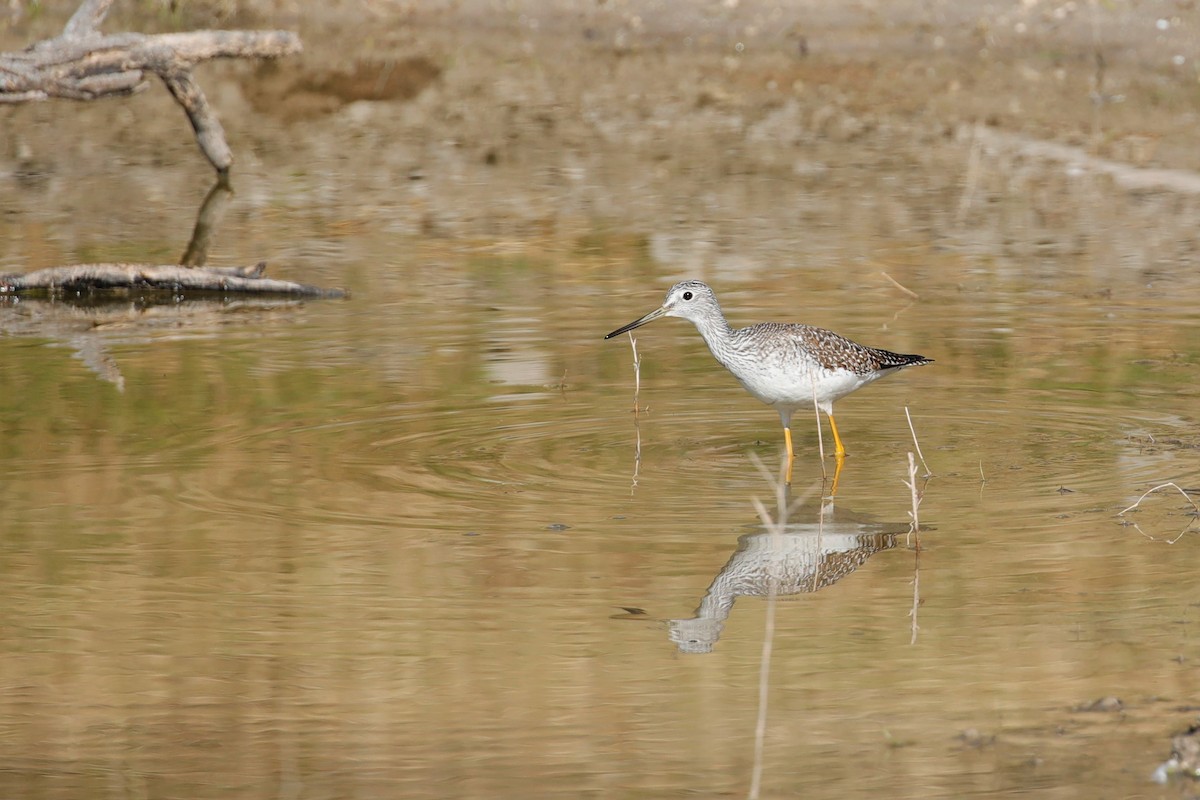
[384, 545]
[403, 544]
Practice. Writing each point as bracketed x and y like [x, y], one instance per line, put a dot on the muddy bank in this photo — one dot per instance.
[737, 131]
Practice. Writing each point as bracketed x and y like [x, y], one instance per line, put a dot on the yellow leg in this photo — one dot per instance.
[837, 473]
[787, 439]
[838, 449]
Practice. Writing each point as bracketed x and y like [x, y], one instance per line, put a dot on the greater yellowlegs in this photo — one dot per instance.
[786, 365]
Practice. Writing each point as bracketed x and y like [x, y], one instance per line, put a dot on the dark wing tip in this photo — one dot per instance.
[896, 360]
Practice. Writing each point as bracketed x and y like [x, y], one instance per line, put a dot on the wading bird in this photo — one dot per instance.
[788, 366]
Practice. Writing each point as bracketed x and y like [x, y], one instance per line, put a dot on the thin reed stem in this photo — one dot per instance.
[637, 374]
[900, 286]
[917, 494]
[1149, 492]
[914, 532]
[1186, 496]
[917, 444]
[637, 425]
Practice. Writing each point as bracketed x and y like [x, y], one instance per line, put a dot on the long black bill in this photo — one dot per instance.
[637, 323]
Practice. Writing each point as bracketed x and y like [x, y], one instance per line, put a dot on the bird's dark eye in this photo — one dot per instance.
[687, 295]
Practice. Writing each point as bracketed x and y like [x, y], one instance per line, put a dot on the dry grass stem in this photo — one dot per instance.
[901, 286]
[1149, 492]
[637, 376]
[917, 494]
[917, 444]
[637, 425]
[1186, 496]
[914, 531]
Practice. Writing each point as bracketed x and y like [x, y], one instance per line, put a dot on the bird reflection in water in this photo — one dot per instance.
[797, 558]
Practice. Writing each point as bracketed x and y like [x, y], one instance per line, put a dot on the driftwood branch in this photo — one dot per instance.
[87, 18]
[145, 277]
[83, 64]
